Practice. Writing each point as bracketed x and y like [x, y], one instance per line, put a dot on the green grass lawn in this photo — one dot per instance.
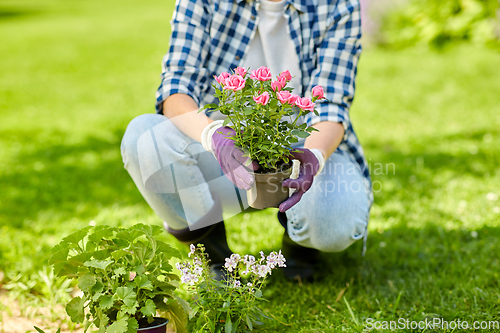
[74, 73]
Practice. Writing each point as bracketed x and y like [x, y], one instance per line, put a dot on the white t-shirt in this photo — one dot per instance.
[272, 45]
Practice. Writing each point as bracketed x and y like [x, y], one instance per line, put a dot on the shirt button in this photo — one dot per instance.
[237, 57]
[253, 17]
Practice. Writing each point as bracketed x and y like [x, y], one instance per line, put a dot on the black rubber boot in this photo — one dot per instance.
[300, 260]
[211, 232]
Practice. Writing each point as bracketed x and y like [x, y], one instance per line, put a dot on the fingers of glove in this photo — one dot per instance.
[238, 156]
[240, 170]
[292, 183]
[304, 182]
[292, 201]
[240, 177]
[244, 177]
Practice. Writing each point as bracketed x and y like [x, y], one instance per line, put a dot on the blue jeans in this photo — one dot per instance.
[177, 177]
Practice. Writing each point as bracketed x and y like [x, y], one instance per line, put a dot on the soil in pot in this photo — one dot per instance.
[267, 190]
[159, 325]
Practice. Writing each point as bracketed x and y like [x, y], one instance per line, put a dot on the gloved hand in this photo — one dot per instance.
[231, 159]
[311, 163]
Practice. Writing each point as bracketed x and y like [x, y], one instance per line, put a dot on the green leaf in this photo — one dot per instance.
[75, 310]
[229, 324]
[249, 322]
[129, 235]
[119, 254]
[119, 326]
[101, 254]
[142, 282]
[140, 269]
[127, 295]
[211, 106]
[59, 256]
[258, 293]
[149, 308]
[79, 259]
[105, 302]
[226, 305]
[77, 236]
[98, 264]
[193, 312]
[97, 287]
[120, 271]
[167, 250]
[133, 325]
[86, 282]
[65, 269]
[226, 122]
[100, 232]
[130, 309]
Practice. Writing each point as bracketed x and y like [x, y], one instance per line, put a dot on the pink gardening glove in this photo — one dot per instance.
[231, 159]
[309, 166]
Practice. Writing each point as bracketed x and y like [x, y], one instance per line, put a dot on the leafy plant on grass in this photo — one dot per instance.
[124, 274]
[232, 305]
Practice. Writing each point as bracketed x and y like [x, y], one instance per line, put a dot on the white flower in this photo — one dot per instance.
[280, 259]
[236, 283]
[263, 270]
[197, 261]
[249, 284]
[192, 248]
[232, 262]
[248, 260]
[198, 270]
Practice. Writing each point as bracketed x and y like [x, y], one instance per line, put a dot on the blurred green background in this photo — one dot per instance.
[74, 73]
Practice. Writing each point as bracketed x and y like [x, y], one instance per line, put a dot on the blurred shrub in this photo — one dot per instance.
[437, 22]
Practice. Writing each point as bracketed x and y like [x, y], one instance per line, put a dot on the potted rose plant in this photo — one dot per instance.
[231, 305]
[124, 275]
[265, 117]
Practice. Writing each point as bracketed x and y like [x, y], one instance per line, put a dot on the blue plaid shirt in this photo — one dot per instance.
[213, 36]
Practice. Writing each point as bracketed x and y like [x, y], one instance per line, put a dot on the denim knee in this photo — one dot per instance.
[137, 127]
[337, 235]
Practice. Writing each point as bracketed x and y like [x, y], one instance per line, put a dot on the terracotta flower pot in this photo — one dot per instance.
[267, 190]
[159, 325]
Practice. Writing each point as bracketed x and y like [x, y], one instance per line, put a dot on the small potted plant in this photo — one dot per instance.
[231, 305]
[265, 117]
[124, 275]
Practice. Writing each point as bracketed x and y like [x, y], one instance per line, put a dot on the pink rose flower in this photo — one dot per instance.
[221, 79]
[240, 71]
[318, 92]
[286, 75]
[235, 83]
[278, 84]
[262, 99]
[305, 104]
[262, 74]
[293, 99]
[284, 96]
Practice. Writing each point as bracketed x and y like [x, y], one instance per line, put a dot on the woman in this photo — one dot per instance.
[168, 153]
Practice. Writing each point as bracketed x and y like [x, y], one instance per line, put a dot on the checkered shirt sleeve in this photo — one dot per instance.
[184, 67]
[337, 57]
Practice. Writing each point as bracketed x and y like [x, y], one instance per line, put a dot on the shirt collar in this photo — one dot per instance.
[300, 5]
